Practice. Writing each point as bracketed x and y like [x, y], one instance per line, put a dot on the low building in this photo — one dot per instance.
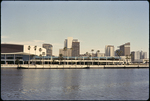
[11, 52]
[67, 53]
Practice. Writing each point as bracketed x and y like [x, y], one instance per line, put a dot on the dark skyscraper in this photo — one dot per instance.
[75, 47]
[48, 48]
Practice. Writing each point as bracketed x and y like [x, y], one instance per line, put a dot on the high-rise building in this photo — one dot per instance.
[75, 47]
[125, 48]
[109, 50]
[68, 42]
[48, 48]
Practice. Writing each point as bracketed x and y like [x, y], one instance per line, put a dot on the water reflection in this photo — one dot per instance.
[74, 84]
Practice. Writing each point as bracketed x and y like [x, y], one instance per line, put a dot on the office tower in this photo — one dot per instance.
[68, 42]
[48, 48]
[75, 48]
[109, 50]
[125, 48]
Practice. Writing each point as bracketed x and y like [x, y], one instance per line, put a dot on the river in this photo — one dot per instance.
[74, 84]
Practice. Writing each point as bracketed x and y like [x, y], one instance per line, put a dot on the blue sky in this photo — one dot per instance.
[94, 23]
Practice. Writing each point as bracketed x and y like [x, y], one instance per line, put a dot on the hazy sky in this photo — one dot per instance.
[94, 23]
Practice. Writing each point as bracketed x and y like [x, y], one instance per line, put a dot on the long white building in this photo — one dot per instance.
[11, 52]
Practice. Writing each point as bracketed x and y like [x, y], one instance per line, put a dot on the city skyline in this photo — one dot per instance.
[94, 24]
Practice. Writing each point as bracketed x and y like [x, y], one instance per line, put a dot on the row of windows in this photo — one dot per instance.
[11, 58]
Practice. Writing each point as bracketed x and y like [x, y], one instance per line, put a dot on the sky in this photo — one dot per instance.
[94, 23]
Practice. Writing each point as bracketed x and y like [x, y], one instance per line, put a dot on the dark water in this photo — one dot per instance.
[75, 84]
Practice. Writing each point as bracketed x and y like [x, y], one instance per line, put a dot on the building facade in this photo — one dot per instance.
[75, 48]
[109, 50]
[68, 42]
[66, 53]
[135, 56]
[125, 48]
[11, 52]
[143, 55]
[48, 48]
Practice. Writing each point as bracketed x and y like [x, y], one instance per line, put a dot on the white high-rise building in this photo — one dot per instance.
[109, 50]
[68, 42]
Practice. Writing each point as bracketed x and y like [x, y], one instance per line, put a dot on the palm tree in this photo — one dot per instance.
[43, 53]
[92, 55]
[40, 49]
[131, 57]
[35, 53]
[92, 51]
[65, 49]
[127, 58]
[119, 54]
[40, 57]
[60, 58]
[17, 62]
[97, 56]
[29, 47]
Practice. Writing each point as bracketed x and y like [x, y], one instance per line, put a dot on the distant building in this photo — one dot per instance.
[143, 55]
[75, 48]
[109, 50]
[135, 56]
[48, 48]
[125, 48]
[68, 42]
[67, 53]
[100, 54]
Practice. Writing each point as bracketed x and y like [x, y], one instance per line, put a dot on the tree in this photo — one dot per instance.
[97, 56]
[29, 55]
[43, 53]
[40, 57]
[65, 49]
[35, 53]
[119, 54]
[17, 61]
[92, 52]
[60, 57]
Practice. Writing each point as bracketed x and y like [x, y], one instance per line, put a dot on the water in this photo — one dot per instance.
[75, 84]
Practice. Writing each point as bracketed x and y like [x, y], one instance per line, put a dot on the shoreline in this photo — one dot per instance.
[73, 66]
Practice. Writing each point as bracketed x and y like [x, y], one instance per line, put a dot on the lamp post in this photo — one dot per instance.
[29, 55]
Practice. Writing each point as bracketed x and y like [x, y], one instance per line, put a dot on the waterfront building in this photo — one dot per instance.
[48, 48]
[109, 50]
[11, 52]
[75, 47]
[125, 48]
